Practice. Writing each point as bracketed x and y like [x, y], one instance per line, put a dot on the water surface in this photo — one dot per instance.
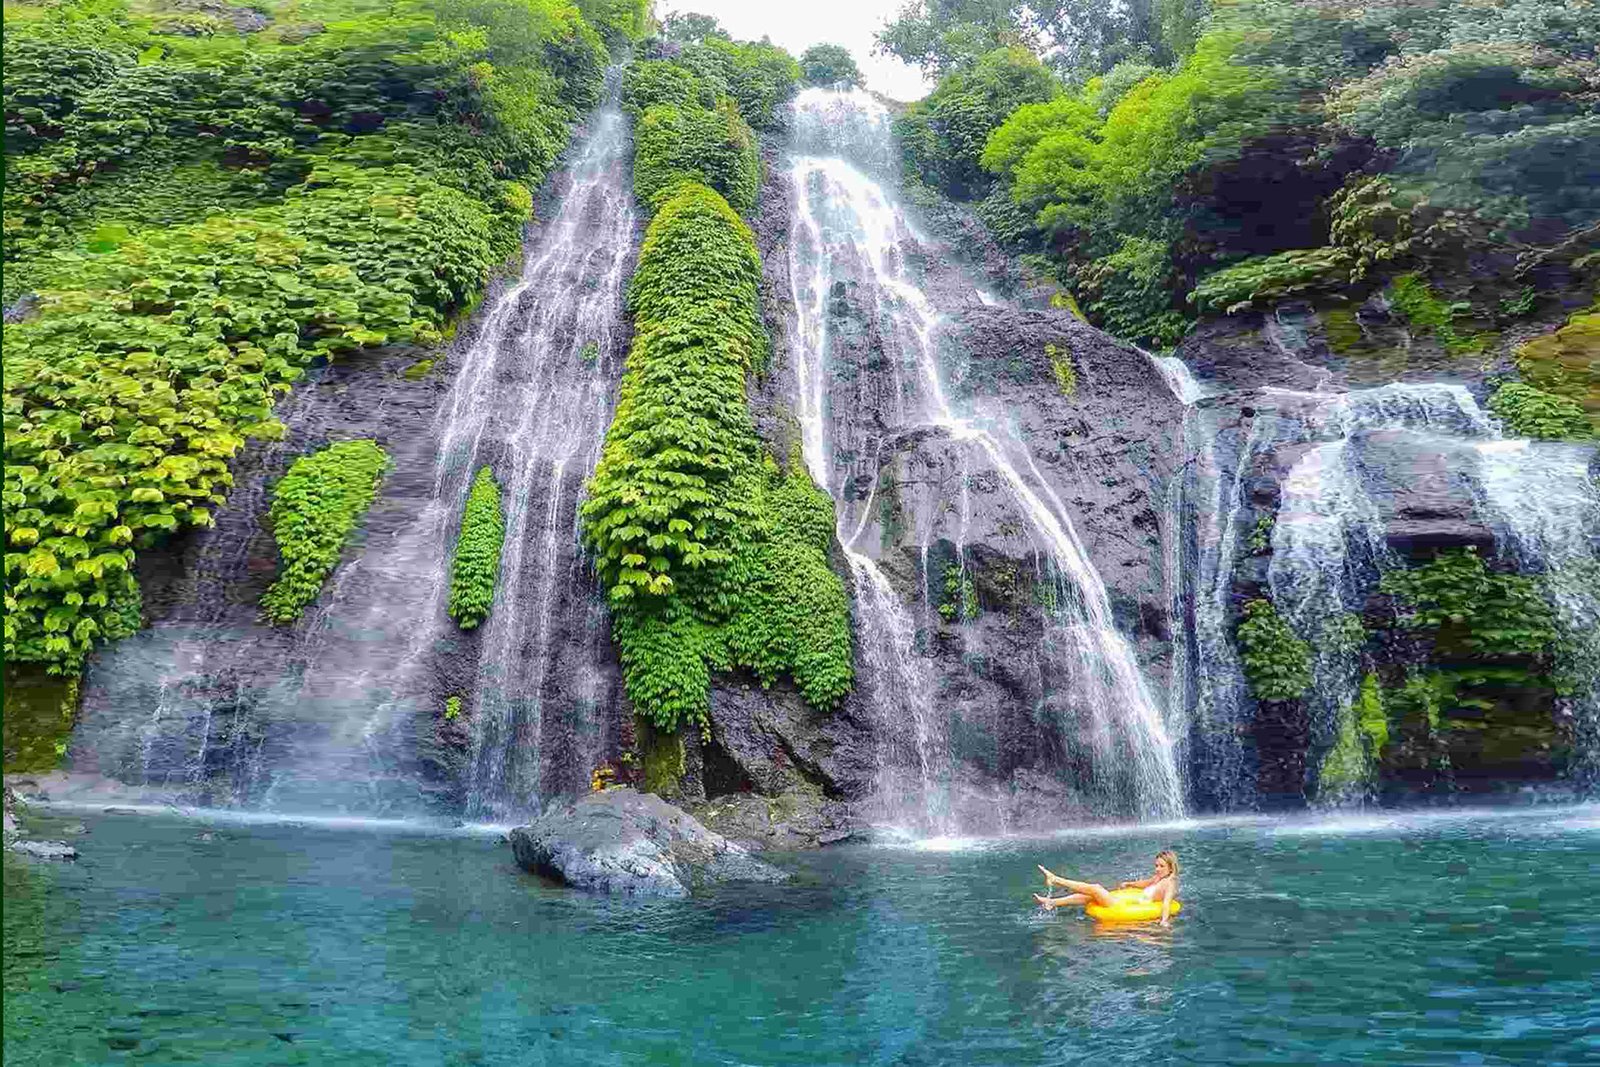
[1459, 938]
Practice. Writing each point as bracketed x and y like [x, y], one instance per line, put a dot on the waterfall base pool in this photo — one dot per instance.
[1445, 938]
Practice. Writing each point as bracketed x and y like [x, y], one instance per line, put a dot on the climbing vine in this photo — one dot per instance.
[476, 566]
[315, 507]
[1471, 611]
[1276, 662]
[960, 600]
[714, 556]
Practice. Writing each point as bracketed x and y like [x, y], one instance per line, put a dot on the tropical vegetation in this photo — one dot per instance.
[198, 207]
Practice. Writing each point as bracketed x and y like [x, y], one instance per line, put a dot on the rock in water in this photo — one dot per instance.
[45, 850]
[623, 841]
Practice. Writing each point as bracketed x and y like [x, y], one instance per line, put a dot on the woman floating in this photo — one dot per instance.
[1147, 898]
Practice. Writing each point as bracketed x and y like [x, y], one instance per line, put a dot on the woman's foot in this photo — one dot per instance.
[1045, 902]
[1050, 877]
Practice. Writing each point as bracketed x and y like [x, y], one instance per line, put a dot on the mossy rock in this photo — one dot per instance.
[1566, 362]
[39, 712]
[661, 758]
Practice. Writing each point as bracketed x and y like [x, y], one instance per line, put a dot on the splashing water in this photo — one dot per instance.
[848, 228]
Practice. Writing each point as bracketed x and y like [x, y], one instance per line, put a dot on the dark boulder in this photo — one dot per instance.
[622, 841]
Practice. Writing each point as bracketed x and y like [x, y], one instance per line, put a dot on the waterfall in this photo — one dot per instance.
[1545, 497]
[1331, 539]
[848, 229]
[343, 711]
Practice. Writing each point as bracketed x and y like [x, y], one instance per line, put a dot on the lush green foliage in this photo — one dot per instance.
[1530, 412]
[942, 136]
[1300, 146]
[1276, 662]
[200, 217]
[829, 64]
[714, 558]
[960, 600]
[1471, 611]
[713, 146]
[1566, 362]
[1415, 301]
[476, 566]
[760, 77]
[1267, 278]
[315, 508]
[1086, 36]
[1349, 765]
[1259, 541]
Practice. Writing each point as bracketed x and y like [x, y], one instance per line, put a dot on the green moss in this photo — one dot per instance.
[1415, 301]
[688, 143]
[452, 707]
[39, 711]
[1259, 541]
[1371, 717]
[315, 509]
[661, 758]
[1566, 362]
[1342, 328]
[418, 370]
[476, 566]
[1276, 662]
[1060, 357]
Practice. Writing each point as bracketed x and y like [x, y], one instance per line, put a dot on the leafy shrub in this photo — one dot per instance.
[960, 600]
[1530, 412]
[657, 81]
[942, 136]
[315, 507]
[759, 76]
[1276, 662]
[712, 556]
[476, 566]
[689, 143]
[1268, 278]
[828, 65]
[1129, 292]
[1471, 611]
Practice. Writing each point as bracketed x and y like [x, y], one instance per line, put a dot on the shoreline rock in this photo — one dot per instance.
[635, 844]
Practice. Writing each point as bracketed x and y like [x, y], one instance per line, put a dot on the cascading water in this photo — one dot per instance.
[1546, 499]
[336, 713]
[850, 233]
[1330, 539]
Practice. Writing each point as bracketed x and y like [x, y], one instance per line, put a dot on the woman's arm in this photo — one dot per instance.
[1139, 884]
[1168, 891]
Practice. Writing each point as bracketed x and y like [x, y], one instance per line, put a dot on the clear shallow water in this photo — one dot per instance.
[1422, 939]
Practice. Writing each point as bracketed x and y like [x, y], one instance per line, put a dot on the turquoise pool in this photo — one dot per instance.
[1453, 938]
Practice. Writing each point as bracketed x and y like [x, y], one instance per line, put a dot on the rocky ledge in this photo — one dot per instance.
[623, 841]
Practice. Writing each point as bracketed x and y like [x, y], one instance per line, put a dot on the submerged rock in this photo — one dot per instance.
[623, 841]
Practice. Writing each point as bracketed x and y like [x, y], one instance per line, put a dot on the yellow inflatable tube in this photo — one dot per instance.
[1129, 906]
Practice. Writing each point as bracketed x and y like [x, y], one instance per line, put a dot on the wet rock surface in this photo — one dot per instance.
[624, 842]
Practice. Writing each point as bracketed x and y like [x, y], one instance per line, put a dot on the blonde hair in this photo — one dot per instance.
[1170, 856]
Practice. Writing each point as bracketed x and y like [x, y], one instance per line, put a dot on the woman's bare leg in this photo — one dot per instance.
[1056, 902]
[1094, 892]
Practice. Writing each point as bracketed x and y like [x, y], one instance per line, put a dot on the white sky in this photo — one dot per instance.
[798, 24]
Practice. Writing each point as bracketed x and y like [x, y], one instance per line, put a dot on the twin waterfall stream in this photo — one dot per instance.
[339, 714]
